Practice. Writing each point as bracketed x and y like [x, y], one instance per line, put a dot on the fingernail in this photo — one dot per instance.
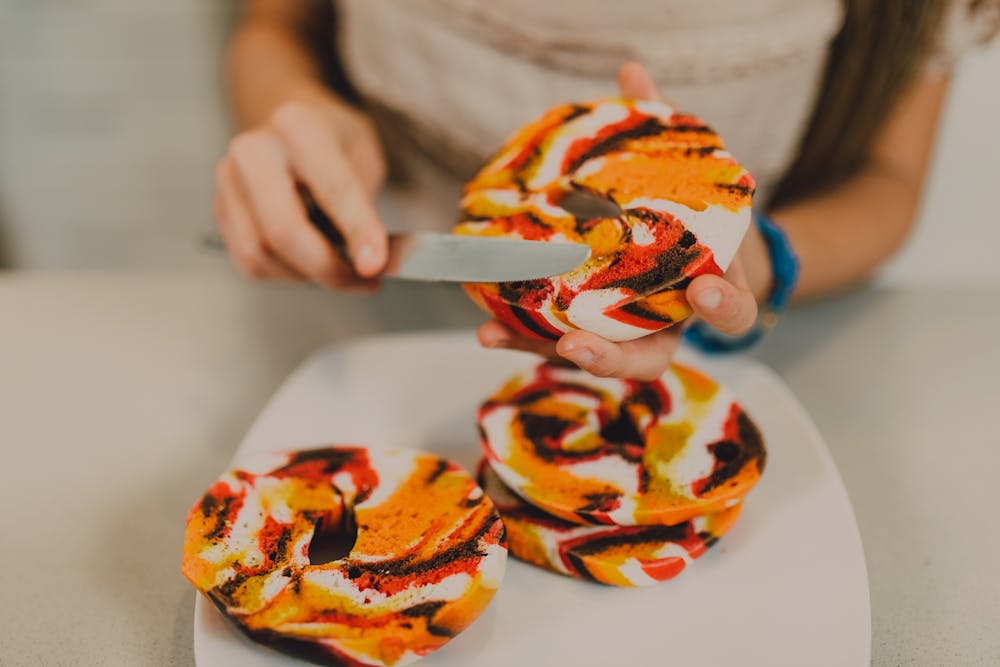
[710, 299]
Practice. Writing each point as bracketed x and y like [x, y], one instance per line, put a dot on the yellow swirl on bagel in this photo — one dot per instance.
[609, 451]
[684, 206]
[429, 556]
[613, 555]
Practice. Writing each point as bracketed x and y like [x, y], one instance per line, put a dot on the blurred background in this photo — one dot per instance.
[111, 119]
[112, 116]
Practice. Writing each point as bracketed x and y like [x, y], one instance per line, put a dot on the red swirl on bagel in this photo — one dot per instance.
[613, 555]
[430, 553]
[623, 452]
[684, 207]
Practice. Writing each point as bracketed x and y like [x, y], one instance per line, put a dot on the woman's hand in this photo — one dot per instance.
[728, 304]
[321, 143]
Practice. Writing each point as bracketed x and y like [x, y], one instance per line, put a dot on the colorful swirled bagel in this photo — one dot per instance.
[613, 555]
[624, 452]
[681, 206]
[430, 552]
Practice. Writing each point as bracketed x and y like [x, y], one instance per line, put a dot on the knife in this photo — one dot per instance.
[429, 256]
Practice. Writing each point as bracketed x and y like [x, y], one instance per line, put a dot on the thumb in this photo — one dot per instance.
[728, 306]
[634, 81]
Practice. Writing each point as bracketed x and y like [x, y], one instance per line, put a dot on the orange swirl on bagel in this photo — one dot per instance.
[684, 202]
[429, 555]
[608, 451]
[612, 555]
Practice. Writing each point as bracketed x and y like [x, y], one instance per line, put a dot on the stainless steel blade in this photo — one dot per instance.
[479, 259]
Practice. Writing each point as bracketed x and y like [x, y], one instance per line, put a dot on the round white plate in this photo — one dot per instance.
[786, 586]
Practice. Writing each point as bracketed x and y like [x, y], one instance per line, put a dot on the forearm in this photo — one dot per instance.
[843, 235]
[272, 58]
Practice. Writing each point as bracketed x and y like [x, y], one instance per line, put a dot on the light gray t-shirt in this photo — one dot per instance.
[456, 77]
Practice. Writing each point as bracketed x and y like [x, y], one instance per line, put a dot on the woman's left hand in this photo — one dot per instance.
[726, 303]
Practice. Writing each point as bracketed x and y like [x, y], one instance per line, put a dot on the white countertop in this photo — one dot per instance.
[125, 394]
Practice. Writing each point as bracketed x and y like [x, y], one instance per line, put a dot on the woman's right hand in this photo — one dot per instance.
[332, 150]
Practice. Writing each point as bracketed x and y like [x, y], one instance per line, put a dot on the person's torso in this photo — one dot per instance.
[458, 76]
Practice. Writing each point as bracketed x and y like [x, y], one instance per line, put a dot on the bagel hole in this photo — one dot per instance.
[585, 205]
[332, 542]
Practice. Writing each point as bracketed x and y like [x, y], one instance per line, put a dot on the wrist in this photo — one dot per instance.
[784, 268]
[757, 264]
[775, 279]
[267, 66]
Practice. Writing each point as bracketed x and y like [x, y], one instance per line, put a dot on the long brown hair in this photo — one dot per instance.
[879, 50]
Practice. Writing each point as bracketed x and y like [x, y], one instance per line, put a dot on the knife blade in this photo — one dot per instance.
[434, 257]
[479, 259]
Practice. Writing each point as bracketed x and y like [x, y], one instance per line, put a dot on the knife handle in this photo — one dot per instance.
[322, 222]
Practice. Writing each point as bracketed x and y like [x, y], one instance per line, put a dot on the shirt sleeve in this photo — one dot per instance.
[967, 24]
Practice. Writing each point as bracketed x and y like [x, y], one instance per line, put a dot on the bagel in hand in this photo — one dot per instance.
[679, 208]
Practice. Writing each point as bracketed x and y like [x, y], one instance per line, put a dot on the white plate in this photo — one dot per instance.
[786, 586]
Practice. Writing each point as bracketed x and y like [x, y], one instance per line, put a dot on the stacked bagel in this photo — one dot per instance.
[616, 481]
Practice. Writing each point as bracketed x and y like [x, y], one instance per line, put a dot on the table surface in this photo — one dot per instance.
[125, 394]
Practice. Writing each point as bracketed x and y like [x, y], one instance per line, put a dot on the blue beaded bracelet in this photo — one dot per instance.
[785, 275]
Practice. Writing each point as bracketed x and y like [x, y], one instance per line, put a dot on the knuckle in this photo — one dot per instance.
[603, 367]
[292, 115]
[368, 158]
[733, 306]
[335, 188]
[279, 234]
[742, 326]
[740, 315]
[723, 312]
[244, 145]
[727, 315]
[338, 188]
